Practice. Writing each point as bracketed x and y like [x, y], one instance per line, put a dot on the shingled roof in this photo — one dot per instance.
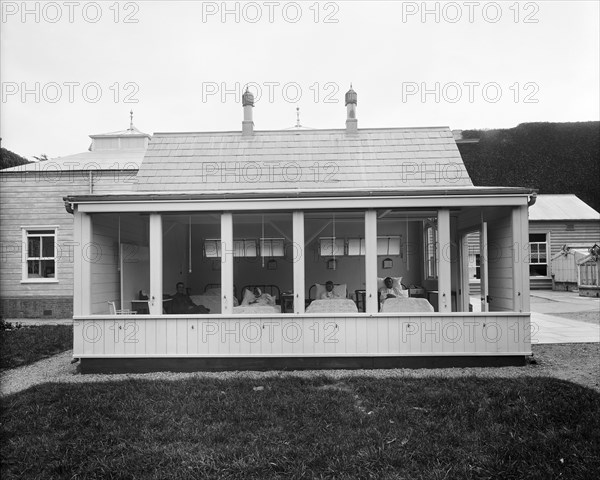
[402, 158]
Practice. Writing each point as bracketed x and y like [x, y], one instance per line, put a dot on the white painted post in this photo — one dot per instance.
[483, 267]
[82, 268]
[372, 295]
[227, 263]
[444, 262]
[521, 232]
[464, 273]
[299, 258]
[156, 265]
[454, 251]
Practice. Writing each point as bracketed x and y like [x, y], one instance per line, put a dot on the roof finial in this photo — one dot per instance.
[298, 117]
[351, 96]
[131, 119]
[247, 98]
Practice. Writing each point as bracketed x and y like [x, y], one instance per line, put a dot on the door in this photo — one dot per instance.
[463, 274]
[135, 272]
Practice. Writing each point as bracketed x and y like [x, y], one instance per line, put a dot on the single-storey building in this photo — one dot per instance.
[557, 222]
[559, 226]
[36, 239]
[286, 211]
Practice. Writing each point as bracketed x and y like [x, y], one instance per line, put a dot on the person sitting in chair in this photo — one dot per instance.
[388, 291]
[181, 303]
[329, 292]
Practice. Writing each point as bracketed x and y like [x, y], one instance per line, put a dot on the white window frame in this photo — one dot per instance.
[431, 264]
[537, 254]
[331, 246]
[29, 231]
[387, 245]
[272, 247]
[356, 247]
[242, 247]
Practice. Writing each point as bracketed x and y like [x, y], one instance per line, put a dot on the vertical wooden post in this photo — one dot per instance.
[372, 295]
[298, 252]
[520, 226]
[444, 262]
[454, 252]
[82, 267]
[483, 267]
[156, 265]
[464, 273]
[227, 263]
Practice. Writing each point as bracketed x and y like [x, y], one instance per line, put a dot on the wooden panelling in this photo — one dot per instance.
[36, 198]
[558, 234]
[500, 264]
[302, 335]
[104, 267]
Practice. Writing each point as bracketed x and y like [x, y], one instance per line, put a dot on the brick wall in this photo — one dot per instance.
[36, 307]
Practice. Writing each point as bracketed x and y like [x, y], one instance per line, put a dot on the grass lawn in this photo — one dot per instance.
[25, 345]
[356, 427]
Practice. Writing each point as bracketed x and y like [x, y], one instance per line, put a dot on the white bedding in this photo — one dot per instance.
[212, 302]
[255, 308]
[401, 304]
[332, 305]
[211, 299]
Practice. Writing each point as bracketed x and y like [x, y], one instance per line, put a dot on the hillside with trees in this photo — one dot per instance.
[551, 157]
[10, 159]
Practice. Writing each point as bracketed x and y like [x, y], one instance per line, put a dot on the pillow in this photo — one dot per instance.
[248, 297]
[265, 299]
[339, 290]
[396, 282]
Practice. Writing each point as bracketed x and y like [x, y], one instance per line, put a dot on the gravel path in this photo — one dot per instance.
[576, 362]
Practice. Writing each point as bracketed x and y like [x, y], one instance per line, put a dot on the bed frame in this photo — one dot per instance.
[211, 285]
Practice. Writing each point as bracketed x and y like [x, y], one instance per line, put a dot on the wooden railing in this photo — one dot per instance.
[496, 333]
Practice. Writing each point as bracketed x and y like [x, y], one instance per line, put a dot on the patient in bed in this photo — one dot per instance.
[329, 292]
[257, 297]
[389, 290]
[181, 303]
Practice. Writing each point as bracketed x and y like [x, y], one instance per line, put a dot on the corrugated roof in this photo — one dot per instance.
[125, 159]
[305, 159]
[561, 207]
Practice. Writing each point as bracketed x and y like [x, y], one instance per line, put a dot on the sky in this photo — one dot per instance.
[70, 69]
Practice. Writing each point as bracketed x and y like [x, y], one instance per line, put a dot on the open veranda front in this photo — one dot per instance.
[132, 257]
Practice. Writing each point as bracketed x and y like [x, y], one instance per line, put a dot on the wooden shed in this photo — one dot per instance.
[564, 264]
[588, 269]
[556, 221]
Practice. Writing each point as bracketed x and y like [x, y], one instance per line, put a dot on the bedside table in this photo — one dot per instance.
[416, 292]
[360, 299]
[287, 303]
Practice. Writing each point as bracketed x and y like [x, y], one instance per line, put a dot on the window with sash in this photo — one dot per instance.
[431, 249]
[538, 255]
[39, 254]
